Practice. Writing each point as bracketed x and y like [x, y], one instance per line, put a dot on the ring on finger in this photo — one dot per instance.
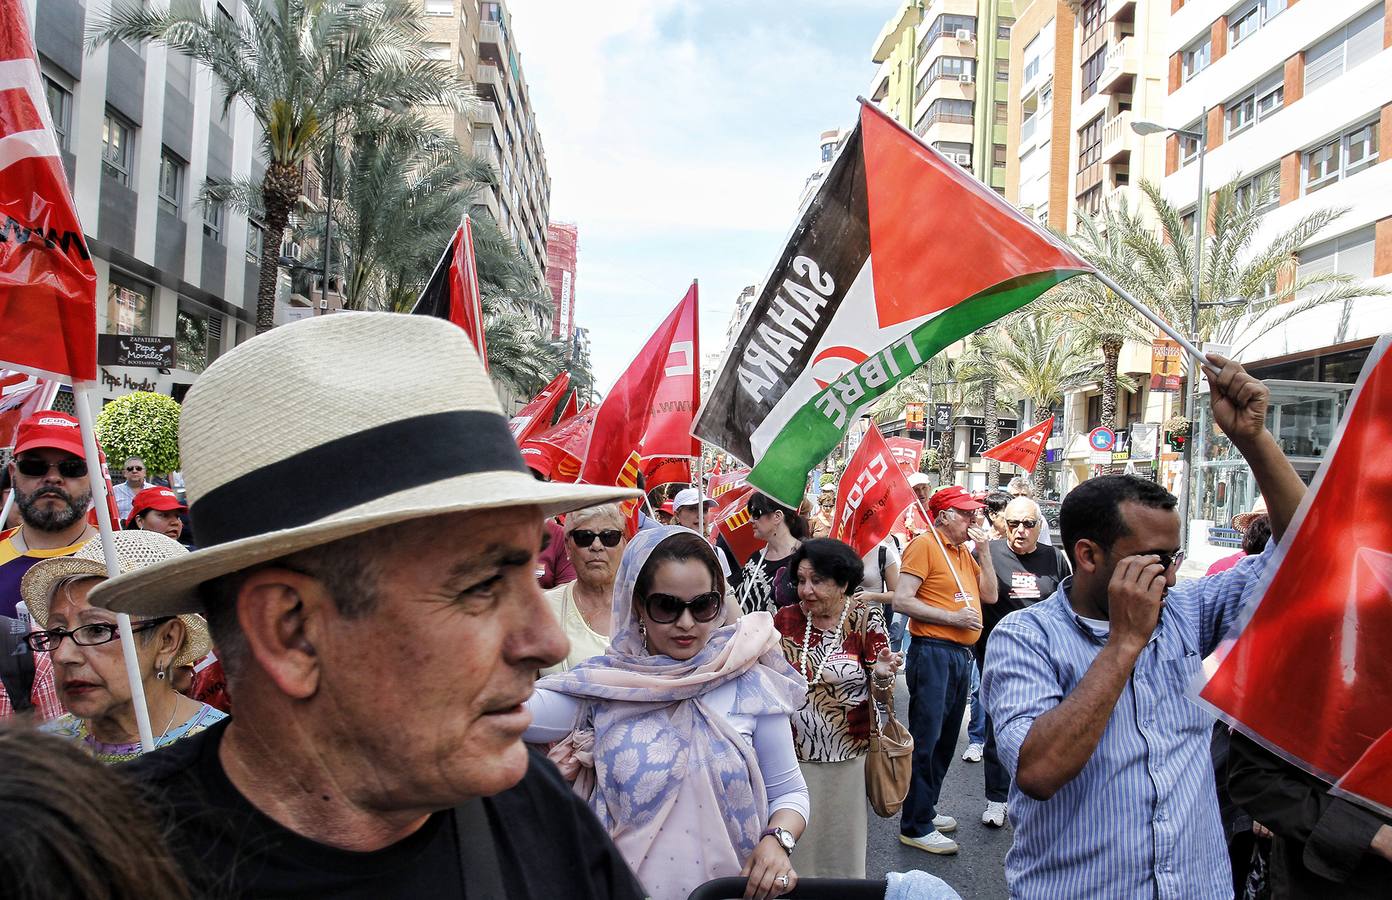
[781, 880]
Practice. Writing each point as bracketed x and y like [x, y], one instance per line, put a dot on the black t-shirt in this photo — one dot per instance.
[548, 843]
[1020, 581]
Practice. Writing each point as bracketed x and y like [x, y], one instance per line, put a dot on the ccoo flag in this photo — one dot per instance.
[48, 288]
[535, 417]
[1309, 674]
[1025, 448]
[871, 495]
[453, 289]
[898, 255]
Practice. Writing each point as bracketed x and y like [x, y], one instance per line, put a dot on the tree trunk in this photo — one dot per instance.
[1111, 354]
[280, 189]
[946, 462]
[988, 416]
[1041, 412]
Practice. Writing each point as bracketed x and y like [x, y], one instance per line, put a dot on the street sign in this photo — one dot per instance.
[1121, 447]
[1101, 439]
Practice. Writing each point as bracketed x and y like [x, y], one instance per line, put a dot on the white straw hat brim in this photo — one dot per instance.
[170, 588]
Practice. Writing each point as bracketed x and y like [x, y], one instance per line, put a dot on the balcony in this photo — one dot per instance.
[487, 114]
[1121, 10]
[488, 81]
[1119, 68]
[1116, 137]
[1027, 128]
[490, 39]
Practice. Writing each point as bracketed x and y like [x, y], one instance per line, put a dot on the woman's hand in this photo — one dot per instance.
[769, 870]
[887, 664]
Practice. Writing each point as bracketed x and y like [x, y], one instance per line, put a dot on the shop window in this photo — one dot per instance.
[190, 340]
[127, 306]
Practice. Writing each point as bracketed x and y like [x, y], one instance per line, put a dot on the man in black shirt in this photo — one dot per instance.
[1026, 572]
[379, 635]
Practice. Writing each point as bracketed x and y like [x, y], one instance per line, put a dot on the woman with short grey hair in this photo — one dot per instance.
[594, 544]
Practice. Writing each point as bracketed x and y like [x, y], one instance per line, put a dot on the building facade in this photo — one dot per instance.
[1039, 121]
[478, 38]
[562, 245]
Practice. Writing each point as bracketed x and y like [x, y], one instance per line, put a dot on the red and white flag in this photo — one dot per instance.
[907, 451]
[535, 417]
[557, 452]
[453, 289]
[21, 395]
[870, 496]
[48, 288]
[1310, 673]
[679, 391]
[1024, 449]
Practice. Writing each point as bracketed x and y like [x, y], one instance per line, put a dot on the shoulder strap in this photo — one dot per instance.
[884, 557]
[478, 856]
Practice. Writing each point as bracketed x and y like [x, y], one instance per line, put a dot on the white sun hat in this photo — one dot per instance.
[330, 427]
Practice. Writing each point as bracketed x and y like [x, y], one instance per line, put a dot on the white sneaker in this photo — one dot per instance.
[973, 753]
[932, 842]
[994, 815]
[944, 824]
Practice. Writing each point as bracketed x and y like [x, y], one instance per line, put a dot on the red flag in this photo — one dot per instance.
[570, 408]
[660, 470]
[453, 289]
[1024, 449]
[623, 418]
[870, 496]
[679, 392]
[907, 451]
[556, 452]
[1309, 675]
[21, 395]
[728, 488]
[535, 417]
[48, 288]
[733, 522]
[715, 469]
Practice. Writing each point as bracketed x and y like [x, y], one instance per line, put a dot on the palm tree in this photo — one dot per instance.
[300, 66]
[978, 370]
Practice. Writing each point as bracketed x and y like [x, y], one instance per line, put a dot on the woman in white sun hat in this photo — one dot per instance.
[88, 667]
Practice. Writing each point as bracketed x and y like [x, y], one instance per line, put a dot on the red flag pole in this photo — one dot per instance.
[81, 392]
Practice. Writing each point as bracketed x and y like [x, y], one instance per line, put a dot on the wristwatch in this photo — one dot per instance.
[784, 838]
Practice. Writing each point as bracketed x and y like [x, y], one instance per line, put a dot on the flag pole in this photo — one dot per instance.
[950, 567]
[82, 390]
[701, 493]
[1153, 318]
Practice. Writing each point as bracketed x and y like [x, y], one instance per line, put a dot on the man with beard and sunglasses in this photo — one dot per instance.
[52, 493]
[594, 544]
[1088, 690]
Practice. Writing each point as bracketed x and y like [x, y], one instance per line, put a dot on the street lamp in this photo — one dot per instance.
[1144, 128]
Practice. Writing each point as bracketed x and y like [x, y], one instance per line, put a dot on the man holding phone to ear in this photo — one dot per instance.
[1112, 789]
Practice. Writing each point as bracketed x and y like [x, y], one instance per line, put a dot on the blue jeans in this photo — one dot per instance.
[898, 627]
[976, 726]
[939, 675]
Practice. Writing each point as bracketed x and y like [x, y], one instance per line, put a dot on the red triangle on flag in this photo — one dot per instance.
[937, 235]
[1024, 449]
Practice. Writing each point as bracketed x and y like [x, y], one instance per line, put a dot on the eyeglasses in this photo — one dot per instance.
[33, 467]
[609, 537]
[1012, 524]
[1168, 560]
[135, 468]
[85, 636]
[664, 609]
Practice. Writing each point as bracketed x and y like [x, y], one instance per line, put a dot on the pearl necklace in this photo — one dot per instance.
[807, 642]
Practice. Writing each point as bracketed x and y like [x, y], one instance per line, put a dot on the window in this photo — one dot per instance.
[256, 237]
[436, 50]
[127, 306]
[491, 12]
[1197, 57]
[213, 211]
[1340, 157]
[1092, 72]
[171, 182]
[190, 341]
[946, 25]
[1270, 99]
[1094, 16]
[1252, 15]
[1090, 143]
[117, 152]
[957, 151]
[1189, 143]
[998, 155]
[955, 111]
[1262, 101]
[1003, 70]
[1357, 42]
[439, 7]
[1090, 200]
[1002, 114]
[1031, 70]
[60, 108]
[1349, 254]
[1262, 190]
[952, 68]
[1003, 26]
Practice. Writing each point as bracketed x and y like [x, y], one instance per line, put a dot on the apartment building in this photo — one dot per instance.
[140, 133]
[478, 37]
[1295, 101]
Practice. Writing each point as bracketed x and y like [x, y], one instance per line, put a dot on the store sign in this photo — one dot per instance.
[942, 416]
[1166, 366]
[1121, 447]
[914, 416]
[127, 383]
[135, 350]
[1144, 437]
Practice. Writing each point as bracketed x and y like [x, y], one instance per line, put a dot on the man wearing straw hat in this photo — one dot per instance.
[379, 634]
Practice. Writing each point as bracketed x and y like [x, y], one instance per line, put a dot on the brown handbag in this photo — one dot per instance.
[889, 766]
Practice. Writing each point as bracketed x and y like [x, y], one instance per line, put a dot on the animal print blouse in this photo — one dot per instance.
[834, 724]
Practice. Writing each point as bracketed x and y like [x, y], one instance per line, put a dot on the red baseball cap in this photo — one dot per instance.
[161, 498]
[51, 429]
[954, 497]
[667, 508]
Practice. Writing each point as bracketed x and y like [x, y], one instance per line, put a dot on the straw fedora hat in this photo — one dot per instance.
[134, 550]
[330, 427]
[1241, 521]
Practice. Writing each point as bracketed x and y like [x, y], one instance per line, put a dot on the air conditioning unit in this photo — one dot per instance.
[965, 34]
[966, 78]
[962, 159]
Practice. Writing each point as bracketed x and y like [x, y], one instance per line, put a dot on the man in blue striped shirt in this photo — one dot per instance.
[1112, 791]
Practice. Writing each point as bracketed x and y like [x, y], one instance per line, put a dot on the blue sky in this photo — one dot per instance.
[678, 136]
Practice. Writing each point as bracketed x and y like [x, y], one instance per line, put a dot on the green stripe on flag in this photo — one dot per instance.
[815, 429]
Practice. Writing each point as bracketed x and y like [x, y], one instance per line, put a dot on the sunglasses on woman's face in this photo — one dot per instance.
[609, 537]
[664, 609]
[33, 467]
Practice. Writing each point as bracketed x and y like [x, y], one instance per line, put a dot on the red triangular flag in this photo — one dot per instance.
[556, 452]
[535, 417]
[570, 409]
[679, 393]
[1024, 449]
[48, 288]
[1309, 675]
[622, 419]
[870, 496]
[453, 290]
[907, 451]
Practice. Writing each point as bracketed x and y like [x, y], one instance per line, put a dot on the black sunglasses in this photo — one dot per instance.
[33, 467]
[1012, 524]
[609, 537]
[664, 609]
[135, 468]
[84, 636]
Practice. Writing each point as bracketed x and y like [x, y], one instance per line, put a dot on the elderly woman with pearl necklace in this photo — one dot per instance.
[840, 644]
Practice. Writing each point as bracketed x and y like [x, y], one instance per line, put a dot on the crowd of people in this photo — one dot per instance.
[457, 679]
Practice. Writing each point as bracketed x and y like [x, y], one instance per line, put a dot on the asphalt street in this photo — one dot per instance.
[978, 869]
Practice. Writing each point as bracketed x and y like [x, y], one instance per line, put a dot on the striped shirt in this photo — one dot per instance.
[1141, 818]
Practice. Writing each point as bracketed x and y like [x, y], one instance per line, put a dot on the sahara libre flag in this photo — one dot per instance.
[48, 288]
[899, 254]
[453, 289]
[1025, 448]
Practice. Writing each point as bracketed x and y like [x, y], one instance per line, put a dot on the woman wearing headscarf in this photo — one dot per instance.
[782, 530]
[89, 669]
[685, 719]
